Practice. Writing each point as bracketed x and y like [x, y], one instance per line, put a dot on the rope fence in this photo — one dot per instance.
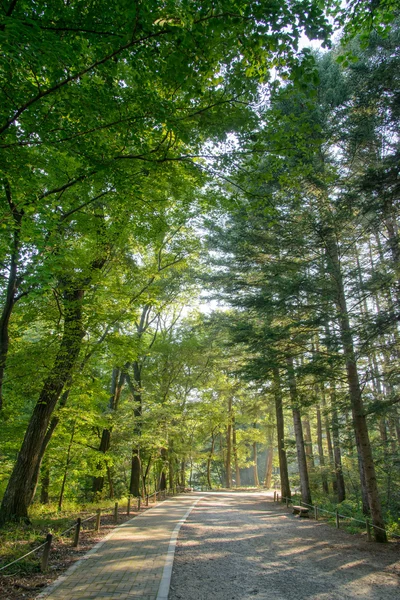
[317, 510]
[161, 494]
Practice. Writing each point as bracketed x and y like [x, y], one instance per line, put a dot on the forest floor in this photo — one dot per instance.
[243, 546]
[25, 584]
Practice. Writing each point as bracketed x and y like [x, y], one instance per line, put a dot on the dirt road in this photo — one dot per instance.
[236, 546]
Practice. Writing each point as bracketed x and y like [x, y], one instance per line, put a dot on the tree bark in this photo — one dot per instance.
[209, 459]
[50, 430]
[298, 430]
[321, 452]
[340, 487]
[255, 467]
[135, 388]
[183, 473]
[280, 431]
[228, 467]
[308, 443]
[268, 466]
[235, 454]
[144, 475]
[255, 460]
[171, 465]
[328, 439]
[162, 483]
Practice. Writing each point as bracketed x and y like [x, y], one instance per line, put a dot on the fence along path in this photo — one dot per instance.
[317, 511]
[76, 527]
[133, 561]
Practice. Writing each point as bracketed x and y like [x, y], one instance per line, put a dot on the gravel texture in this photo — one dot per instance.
[241, 546]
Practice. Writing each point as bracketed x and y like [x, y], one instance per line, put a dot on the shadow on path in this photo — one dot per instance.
[235, 547]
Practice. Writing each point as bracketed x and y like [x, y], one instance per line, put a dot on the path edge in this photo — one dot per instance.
[165, 583]
[57, 582]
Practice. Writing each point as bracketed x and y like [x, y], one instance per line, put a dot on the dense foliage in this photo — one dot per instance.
[150, 150]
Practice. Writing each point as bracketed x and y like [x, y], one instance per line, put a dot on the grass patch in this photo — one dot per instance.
[16, 539]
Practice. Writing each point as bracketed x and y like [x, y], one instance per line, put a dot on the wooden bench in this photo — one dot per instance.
[302, 511]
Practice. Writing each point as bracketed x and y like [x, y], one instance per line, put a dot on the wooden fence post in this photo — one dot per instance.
[45, 556]
[277, 497]
[337, 520]
[274, 495]
[116, 513]
[147, 499]
[138, 503]
[155, 497]
[316, 512]
[77, 532]
[128, 510]
[98, 517]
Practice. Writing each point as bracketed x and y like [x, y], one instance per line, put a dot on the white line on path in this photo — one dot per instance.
[163, 590]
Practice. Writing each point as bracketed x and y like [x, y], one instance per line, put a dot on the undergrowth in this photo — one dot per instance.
[16, 539]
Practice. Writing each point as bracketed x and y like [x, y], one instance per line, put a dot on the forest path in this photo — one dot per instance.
[132, 563]
[243, 546]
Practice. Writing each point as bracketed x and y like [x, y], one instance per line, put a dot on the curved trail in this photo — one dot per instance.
[236, 546]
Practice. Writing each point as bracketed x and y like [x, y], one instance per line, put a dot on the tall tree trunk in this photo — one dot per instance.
[47, 438]
[144, 476]
[268, 465]
[134, 485]
[223, 460]
[367, 467]
[209, 459]
[228, 468]
[255, 467]
[298, 431]
[308, 445]
[162, 483]
[321, 452]
[328, 439]
[135, 389]
[183, 473]
[171, 465]
[22, 483]
[340, 487]
[280, 432]
[235, 453]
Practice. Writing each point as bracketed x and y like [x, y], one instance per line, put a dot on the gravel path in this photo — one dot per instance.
[236, 546]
